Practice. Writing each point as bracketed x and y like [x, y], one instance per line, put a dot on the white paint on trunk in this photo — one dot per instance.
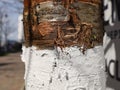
[67, 69]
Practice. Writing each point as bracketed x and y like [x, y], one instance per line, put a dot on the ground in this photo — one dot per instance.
[11, 72]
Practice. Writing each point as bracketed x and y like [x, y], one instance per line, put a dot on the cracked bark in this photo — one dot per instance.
[63, 39]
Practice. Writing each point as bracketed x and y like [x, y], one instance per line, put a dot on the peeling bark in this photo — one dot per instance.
[63, 24]
[64, 43]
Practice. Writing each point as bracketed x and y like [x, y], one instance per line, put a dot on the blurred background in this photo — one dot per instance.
[12, 36]
[10, 25]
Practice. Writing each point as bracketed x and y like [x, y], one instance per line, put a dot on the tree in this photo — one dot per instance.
[2, 17]
[63, 45]
[5, 28]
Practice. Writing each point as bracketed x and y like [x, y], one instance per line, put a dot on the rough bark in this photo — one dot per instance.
[79, 19]
[63, 45]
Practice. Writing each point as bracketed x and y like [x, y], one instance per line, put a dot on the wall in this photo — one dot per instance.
[112, 42]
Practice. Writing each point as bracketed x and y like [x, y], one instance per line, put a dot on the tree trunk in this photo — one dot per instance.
[63, 45]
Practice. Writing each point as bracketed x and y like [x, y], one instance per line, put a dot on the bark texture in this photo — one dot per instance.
[63, 23]
[63, 45]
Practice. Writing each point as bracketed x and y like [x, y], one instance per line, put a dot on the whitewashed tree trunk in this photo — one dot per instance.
[63, 67]
[64, 70]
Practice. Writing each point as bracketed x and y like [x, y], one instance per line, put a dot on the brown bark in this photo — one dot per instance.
[26, 19]
[81, 28]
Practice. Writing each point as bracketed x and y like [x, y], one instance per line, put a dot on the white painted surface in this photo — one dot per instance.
[111, 53]
[66, 69]
[20, 29]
